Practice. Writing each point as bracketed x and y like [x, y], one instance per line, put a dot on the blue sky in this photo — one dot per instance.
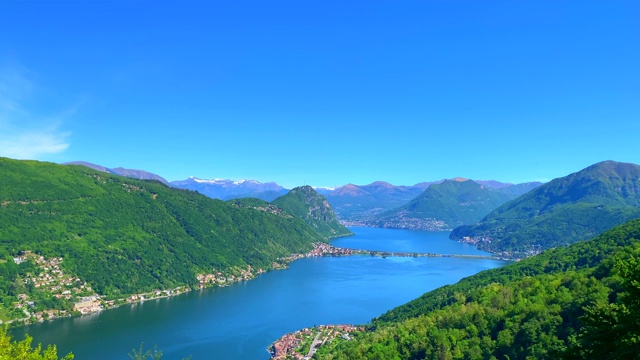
[323, 92]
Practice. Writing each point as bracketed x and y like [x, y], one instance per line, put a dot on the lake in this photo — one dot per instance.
[240, 321]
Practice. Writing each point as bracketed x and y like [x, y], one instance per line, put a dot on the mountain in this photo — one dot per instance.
[89, 165]
[517, 189]
[123, 236]
[224, 189]
[576, 302]
[444, 206]
[306, 203]
[215, 188]
[565, 210]
[130, 173]
[358, 202]
[137, 174]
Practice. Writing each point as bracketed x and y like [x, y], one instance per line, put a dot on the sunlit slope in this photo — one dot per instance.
[123, 236]
[565, 210]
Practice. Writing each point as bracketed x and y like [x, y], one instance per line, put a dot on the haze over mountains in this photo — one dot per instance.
[229, 189]
[357, 202]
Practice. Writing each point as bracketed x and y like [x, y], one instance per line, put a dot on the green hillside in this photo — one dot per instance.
[305, 203]
[568, 209]
[578, 302]
[444, 206]
[124, 236]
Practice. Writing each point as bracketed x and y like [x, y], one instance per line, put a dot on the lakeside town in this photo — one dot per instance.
[481, 242]
[78, 298]
[75, 297]
[302, 344]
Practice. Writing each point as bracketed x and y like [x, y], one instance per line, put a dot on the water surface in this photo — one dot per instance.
[240, 321]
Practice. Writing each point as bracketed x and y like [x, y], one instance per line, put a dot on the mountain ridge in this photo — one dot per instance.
[130, 173]
[225, 189]
[565, 210]
[309, 205]
[444, 206]
[125, 236]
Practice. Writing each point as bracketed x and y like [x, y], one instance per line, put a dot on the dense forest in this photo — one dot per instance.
[572, 208]
[124, 236]
[578, 302]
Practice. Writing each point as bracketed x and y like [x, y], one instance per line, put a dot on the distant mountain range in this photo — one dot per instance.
[378, 204]
[359, 202]
[449, 204]
[565, 210]
[222, 189]
[229, 189]
[366, 204]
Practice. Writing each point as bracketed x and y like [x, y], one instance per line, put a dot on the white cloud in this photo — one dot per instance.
[32, 145]
[26, 133]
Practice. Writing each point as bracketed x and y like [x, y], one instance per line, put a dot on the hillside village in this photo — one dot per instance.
[50, 279]
[76, 297]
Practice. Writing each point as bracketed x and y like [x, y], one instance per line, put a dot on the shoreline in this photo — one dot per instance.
[231, 277]
[303, 343]
[217, 279]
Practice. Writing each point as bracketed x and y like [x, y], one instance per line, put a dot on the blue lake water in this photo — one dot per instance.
[240, 321]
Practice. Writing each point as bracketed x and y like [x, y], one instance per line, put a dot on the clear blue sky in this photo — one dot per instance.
[323, 92]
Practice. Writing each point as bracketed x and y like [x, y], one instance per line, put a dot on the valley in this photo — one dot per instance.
[51, 277]
[322, 180]
[241, 320]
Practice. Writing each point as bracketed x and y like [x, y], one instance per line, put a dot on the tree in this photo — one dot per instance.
[22, 350]
[612, 331]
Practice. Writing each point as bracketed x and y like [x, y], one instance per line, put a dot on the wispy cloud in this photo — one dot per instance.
[25, 132]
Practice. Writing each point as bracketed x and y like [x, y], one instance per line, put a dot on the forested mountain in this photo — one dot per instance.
[568, 209]
[224, 189]
[359, 202]
[124, 236]
[515, 189]
[364, 203]
[130, 173]
[444, 206]
[306, 203]
[576, 302]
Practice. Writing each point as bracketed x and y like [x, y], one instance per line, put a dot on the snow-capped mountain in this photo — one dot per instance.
[226, 189]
